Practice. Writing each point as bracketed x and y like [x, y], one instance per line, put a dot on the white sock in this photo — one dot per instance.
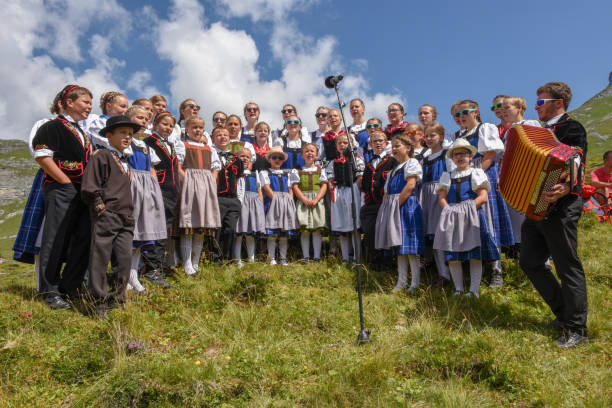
[238, 247]
[133, 282]
[272, 247]
[442, 267]
[196, 244]
[344, 247]
[135, 258]
[415, 271]
[305, 240]
[317, 241]
[250, 247]
[186, 247]
[402, 271]
[283, 245]
[475, 275]
[457, 274]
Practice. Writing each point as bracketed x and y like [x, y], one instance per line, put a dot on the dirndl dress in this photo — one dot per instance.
[149, 215]
[198, 204]
[400, 227]
[500, 216]
[252, 219]
[465, 232]
[433, 167]
[309, 183]
[281, 214]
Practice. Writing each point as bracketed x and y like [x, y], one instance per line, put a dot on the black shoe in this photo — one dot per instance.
[569, 339]
[101, 310]
[56, 302]
[557, 324]
[440, 282]
[156, 278]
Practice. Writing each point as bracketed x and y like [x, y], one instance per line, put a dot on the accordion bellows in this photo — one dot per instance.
[533, 162]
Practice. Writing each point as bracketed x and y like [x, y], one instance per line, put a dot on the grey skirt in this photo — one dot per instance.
[282, 214]
[431, 207]
[388, 223]
[199, 207]
[149, 215]
[311, 218]
[516, 218]
[459, 228]
[252, 218]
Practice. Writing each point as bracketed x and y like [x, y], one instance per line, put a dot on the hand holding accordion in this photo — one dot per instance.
[534, 162]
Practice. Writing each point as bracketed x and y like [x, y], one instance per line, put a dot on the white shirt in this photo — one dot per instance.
[479, 179]
[294, 178]
[488, 138]
[356, 129]
[375, 161]
[222, 159]
[92, 127]
[152, 155]
[35, 128]
[291, 173]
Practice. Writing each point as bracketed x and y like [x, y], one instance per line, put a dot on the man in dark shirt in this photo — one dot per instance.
[557, 234]
[106, 189]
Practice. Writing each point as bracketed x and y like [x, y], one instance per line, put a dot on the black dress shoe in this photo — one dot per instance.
[56, 302]
[569, 339]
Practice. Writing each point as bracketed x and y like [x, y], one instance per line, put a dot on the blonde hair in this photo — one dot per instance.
[405, 140]
[518, 102]
[156, 98]
[162, 115]
[193, 119]
[259, 125]
[133, 109]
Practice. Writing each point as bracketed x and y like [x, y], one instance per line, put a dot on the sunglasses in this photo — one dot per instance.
[393, 110]
[292, 122]
[496, 106]
[541, 102]
[277, 158]
[373, 126]
[464, 112]
[320, 115]
[285, 111]
[251, 109]
[192, 106]
[218, 119]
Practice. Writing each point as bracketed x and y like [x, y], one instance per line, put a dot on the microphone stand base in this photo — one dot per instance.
[363, 337]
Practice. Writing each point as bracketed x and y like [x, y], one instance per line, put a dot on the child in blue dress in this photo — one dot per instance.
[400, 219]
[281, 214]
[465, 228]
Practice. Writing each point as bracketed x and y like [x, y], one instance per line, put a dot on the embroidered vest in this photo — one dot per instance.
[373, 181]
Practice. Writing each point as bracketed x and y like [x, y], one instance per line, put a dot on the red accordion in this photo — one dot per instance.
[534, 161]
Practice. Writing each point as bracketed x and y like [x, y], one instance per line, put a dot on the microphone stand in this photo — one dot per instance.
[364, 335]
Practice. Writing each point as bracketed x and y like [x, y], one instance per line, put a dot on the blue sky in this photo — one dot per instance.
[227, 52]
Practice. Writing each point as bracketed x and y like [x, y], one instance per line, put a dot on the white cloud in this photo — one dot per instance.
[34, 34]
[140, 83]
[218, 66]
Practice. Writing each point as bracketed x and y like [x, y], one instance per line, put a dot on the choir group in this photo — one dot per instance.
[143, 190]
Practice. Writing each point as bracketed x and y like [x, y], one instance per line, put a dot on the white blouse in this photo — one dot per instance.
[450, 165]
[488, 138]
[410, 167]
[294, 178]
[291, 174]
[479, 179]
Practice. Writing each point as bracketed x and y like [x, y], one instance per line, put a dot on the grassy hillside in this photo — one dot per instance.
[596, 116]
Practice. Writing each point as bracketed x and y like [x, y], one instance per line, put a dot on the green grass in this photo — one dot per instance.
[10, 218]
[272, 336]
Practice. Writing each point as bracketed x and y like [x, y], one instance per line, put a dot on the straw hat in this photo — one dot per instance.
[276, 150]
[460, 143]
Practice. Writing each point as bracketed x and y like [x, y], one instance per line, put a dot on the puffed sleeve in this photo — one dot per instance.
[275, 139]
[323, 176]
[330, 170]
[445, 182]
[306, 135]
[179, 148]
[155, 160]
[450, 165]
[413, 168]
[359, 166]
[35, 128]
[263, 178]
[240, 189]
[293, 177]
[208, 139]
[249, 146]
[480, 180]
[488, 139]
[215, 163]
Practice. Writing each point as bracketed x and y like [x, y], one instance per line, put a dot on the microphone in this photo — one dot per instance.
[332, 81]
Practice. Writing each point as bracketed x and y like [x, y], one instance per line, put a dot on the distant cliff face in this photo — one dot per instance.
[17, 169]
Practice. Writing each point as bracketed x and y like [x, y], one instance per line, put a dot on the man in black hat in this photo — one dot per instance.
[106, 189]
[557, 234]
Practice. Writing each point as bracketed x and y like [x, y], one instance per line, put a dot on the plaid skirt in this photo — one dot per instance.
[487, 251]
[25, 247]
[400, 227]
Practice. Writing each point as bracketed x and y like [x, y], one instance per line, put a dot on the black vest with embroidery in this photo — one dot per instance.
[228, 175]
[343, 169]
[167, 168]
[373, 180]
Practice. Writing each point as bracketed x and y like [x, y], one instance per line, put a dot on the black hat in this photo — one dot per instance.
[118, 121]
